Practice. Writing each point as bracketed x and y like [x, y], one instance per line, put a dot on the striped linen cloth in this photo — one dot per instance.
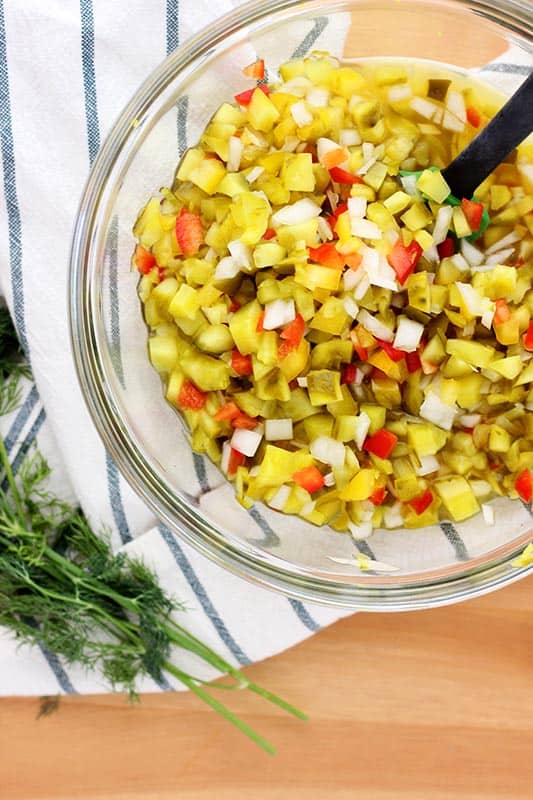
[67, 67]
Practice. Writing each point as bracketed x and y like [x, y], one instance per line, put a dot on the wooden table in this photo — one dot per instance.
[430, 705]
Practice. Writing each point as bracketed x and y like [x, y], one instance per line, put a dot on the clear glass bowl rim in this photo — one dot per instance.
[371, 593]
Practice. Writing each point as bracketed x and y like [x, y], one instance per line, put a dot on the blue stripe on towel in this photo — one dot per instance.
[319, 26]
[10, 190]
[201, 472]
[364, 548]
[25, 446]
[93, 143]
[89, 77]
[53, 662]
[452, 534]
[271, 539]
[115, 498]
[22, 417]
[509, 69]
[303, 615]
[196, 585]
[173, 25]
[183, 109]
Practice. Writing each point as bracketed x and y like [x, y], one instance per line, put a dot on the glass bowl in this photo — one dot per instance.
[437, 565]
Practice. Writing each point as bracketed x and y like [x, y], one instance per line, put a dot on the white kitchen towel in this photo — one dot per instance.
[67, 67]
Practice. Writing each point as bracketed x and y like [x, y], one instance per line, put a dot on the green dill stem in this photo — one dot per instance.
[4, 460]
[219, 707]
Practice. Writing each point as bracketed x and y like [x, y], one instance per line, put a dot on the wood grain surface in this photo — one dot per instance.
[430, 705]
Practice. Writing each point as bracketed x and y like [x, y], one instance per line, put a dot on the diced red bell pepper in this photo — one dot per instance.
[412, 362]
[378, 496]
[341, 208]
[144, 260]
[310, 479]
[241, 364]
[392, 352]
[293, 332]
[473, 116]
[229, 410]
[404, 259]
[502, 313]
[259, 327]
[327, 255]
[348, 373]
[269, 234]
[446, 249]
[528, 337]
[244, 421]
[423, 501]
[255, 70]
[524, 485]
[236, 460]
[381, 443]
[473, 212]
[340, 175]
[189, 232]
[235, 305]
[353, 260]
[245, 98]
[191, 396]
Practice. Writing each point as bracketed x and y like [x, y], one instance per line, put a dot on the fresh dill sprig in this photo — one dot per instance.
[12, 366]
[62, 587]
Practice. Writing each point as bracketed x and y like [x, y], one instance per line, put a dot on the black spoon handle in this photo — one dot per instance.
[511, 125]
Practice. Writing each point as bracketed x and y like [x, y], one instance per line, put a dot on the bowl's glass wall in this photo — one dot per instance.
[125, 394]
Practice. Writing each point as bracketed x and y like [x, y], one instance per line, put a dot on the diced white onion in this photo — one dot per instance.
[451, 123]
[278, 429]
[469, 420]
[350, 306]
[409, 186]
[434, 410]
[487, 317]
[408, 334]
[279, 500]
[298, 86]
[384, 275]
[302, 382]
[325, 145]
[362, 425]
[442, 224]
[480, 488]
[488, 513]
[502, 243]
[300, 114]
[318, 97]
[362, 287]
[366, 166]
[300, 211]
[245, 441]
[324, 230]
[278, 313]
[392, 516]
[474, 256]
[423, 107]
[349, 137]
[329, 479]
[240, 253]
[362, 531]
[211, 255]
[235, 148]
[432, 254]
[475, 303]
[357, 207]
[460, 262]
[365, 228]
[227, 268]
[428, 464]
[328, 450]
[351, 278]
[333, 198]
[500, 257]
[399, 92]
[368, 150]
[374, 326]
[254, 174]
[455, 103]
